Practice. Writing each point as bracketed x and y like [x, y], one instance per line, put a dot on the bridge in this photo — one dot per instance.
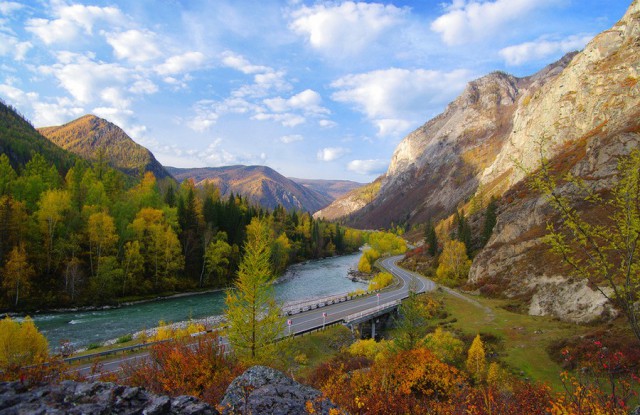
[306, 316]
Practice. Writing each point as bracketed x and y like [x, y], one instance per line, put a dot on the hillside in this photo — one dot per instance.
[585, 108]
[333, 189]
[261, 184]
[438, 166]
[94, 138]
[19, 140]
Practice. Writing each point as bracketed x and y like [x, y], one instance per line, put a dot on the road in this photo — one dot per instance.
[314, 319]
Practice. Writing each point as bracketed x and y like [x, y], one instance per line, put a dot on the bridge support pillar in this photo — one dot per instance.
[373, 329]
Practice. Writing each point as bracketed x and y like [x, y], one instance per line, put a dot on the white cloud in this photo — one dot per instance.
[395, 98]
[468, 21]
[11, 46]
[134, 45]
[288, 139]
[287, 119]
[332, 153]
[72, 21]
[345, 29]
[186, 62]
[86, 79]
[367, 167]
[8, 7]
[143, 86]
[238, 62]
[307, 101]
[542, 49]
[54, 112]
[327, 123]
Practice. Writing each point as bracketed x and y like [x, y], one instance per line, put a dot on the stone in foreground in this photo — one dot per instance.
[262, 390]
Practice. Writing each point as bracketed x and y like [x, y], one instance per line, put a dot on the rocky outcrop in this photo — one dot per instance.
[71, 397]
[262, 390]
[259, 390]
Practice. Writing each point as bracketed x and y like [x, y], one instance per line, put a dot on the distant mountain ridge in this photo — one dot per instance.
[93, 138]
[330, 188]
[261, 184]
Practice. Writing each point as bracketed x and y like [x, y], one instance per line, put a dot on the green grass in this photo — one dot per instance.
[523, 339]
[316, 347]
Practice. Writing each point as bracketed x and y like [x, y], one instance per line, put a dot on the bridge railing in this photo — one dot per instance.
[305, 305]
[377, 309]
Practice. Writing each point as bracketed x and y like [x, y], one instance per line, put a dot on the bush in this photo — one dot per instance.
[124, 339]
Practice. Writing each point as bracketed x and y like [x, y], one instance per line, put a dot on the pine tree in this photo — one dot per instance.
[431, 239]
[252, 313]
[490, 219]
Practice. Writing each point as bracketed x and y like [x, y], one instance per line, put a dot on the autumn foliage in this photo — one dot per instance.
[177, 367]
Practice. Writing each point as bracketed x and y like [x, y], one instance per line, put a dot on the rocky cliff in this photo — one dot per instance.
[589, 116]
[440, 165]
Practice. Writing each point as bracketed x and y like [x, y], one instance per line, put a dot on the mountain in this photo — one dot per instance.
[94, 138]
[260, 184]
[19, 140]
[439, 166]
[333, 189]
[352, 201]
[584, 110]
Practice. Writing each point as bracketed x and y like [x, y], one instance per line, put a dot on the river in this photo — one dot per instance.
[309, 280]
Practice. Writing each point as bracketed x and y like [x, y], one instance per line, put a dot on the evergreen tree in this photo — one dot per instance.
[431, 239]
[253, 315]
[490, 219]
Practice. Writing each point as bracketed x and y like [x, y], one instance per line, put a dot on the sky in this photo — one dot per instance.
[313, 89]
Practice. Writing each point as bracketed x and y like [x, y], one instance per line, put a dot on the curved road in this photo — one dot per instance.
[313, 319]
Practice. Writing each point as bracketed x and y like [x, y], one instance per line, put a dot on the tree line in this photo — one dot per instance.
[90, 236]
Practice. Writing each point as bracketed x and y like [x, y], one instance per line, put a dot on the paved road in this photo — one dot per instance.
[313, 319]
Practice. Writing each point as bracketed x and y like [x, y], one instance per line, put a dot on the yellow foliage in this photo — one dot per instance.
[454, 265]
[444, 345]
[21, 344]
[369, 348]
[164, 331]
[190, 329]
[476, 361]
[357, 292]
[383, 279]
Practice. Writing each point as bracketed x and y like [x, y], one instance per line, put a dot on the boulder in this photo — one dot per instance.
[262, 390]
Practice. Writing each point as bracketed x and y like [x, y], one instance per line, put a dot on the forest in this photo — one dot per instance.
[90, 235]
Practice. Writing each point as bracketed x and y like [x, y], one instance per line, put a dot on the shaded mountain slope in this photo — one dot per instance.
[19, 140]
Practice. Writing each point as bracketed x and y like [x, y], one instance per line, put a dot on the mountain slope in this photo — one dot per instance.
[438, 166]
[333, 189]
[260, 184]
[590, 117]
[93, 138]
[19, 140]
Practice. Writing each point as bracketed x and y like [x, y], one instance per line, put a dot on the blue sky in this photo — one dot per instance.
[314, 89]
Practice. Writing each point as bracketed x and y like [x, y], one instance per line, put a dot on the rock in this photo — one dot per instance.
[262, 390]
[69, 397]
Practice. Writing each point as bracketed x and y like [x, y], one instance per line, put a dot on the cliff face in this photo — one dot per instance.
[440, 165]
[589, 116]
